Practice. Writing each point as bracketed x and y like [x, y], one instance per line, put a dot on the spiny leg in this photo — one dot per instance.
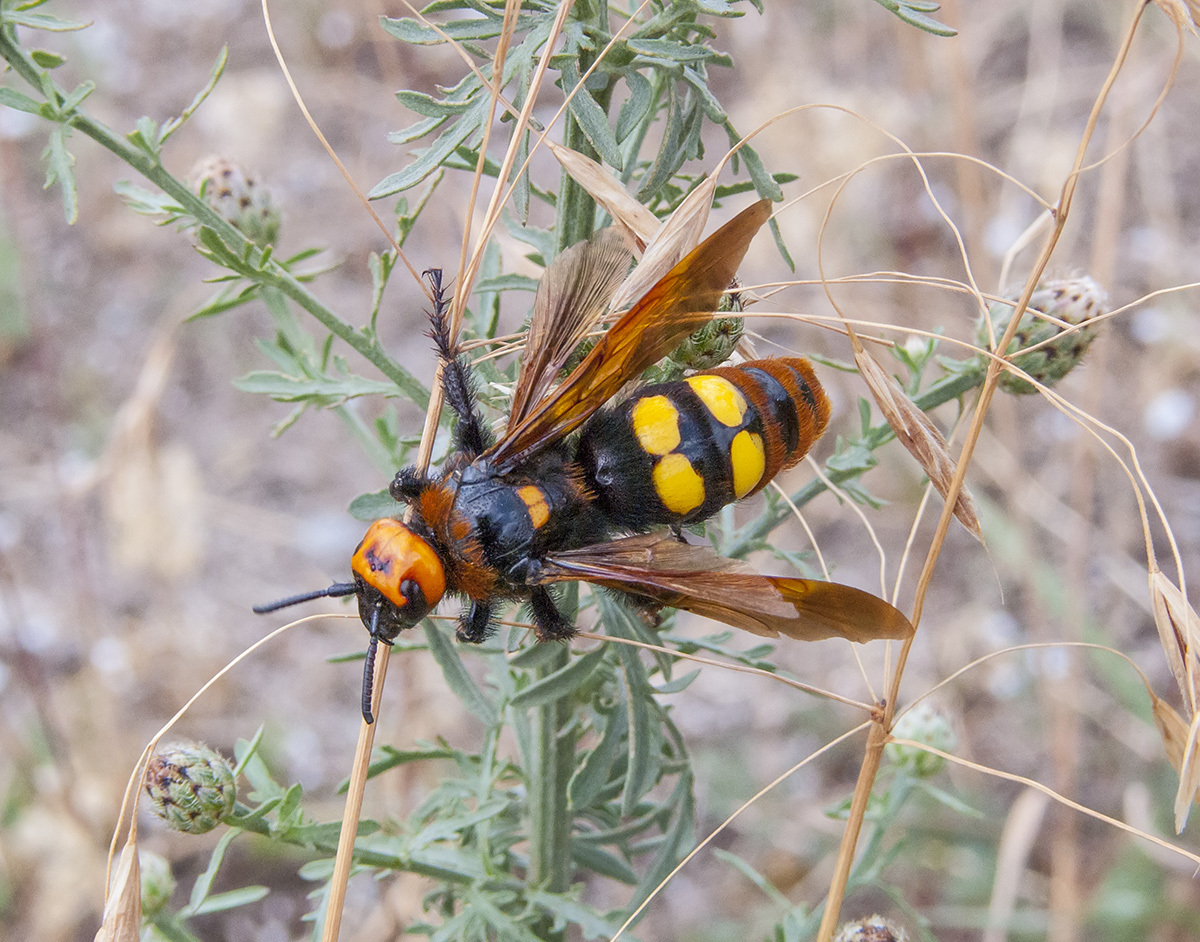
[475, 622]
[472, 435]
[551, 624]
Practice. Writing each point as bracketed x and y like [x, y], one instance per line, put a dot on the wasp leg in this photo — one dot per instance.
[472, 436]
[551, 624]
[475, 623]
[408, 485]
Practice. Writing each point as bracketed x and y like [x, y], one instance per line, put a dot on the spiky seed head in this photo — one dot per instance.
[158, 883]
[237, 197]
[713, 343]
[1073, 301]
[191, 787]
[871, 929]
[923, 724]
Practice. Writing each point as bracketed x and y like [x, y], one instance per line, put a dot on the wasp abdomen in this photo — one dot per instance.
[678, 452]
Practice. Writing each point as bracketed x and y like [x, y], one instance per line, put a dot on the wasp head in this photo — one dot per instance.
[398, 578]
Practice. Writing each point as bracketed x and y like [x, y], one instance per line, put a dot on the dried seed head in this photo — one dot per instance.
[1073, 301]
[190, 787]
[239, 199]
[926, 725]
[872, 929]
[158, 883]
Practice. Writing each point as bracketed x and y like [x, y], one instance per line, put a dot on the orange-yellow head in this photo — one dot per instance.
[398, 578]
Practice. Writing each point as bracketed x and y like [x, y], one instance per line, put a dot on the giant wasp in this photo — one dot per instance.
[505, 519]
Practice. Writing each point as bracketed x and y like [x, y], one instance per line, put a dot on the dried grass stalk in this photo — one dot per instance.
[1185, 14]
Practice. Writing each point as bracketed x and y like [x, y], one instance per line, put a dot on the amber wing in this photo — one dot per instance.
[572, 296]
[693, 578]
[683, 300]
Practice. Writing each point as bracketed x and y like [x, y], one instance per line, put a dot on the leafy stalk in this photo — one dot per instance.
[140, 150]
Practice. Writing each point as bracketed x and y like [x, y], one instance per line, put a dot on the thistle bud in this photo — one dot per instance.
[713, 343]
[190, 787]
[1072, 301]
[234, 195]
[926, 725]
[158, 883]
[871, 929]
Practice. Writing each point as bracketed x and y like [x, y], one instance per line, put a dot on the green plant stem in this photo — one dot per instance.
[244, 819]
[272, 274]
[171, 928]
[941, 392]
[549, 806]
[576, 217]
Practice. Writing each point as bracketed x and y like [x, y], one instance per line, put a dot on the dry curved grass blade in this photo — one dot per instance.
[919, 435]
[674, 239]
[724, 665]
[665, 243]
[608, 192]
[1179, 632]
[133, 792]
[1054, 795]
[122, 920]
[732, 817]
[1185, 14]
[1179, 742]
[299, 99]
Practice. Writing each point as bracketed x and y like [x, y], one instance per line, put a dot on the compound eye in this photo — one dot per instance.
[417, 606]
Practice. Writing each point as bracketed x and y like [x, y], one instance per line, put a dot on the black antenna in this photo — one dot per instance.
[368, 686]
[369, 681]
[334, 591]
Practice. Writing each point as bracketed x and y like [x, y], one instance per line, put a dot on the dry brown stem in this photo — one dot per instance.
[870, 763]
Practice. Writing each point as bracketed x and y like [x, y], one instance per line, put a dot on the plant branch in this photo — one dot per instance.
[265, 271]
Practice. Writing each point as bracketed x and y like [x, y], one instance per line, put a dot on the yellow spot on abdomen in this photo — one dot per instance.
[656, 424]
[535, 500]
[720, 397]
[678, 485]
[749, 460]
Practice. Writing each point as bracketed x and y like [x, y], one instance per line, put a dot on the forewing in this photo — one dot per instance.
[696, 579]
[682, 301]
[572, 296]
